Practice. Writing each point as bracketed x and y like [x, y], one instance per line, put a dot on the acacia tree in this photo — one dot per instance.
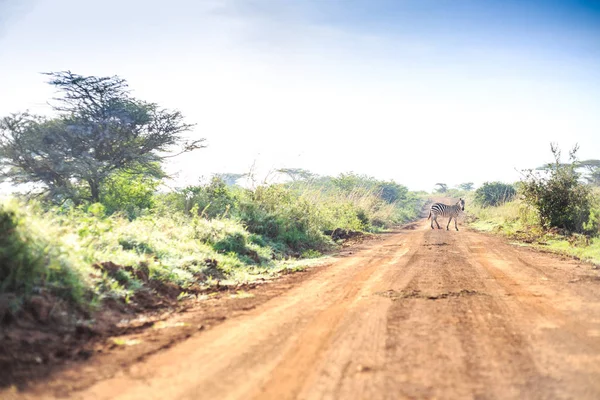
[441, 188]
[230, 178]
[589, 170]
[297, 174]
[467, 186]
[592, 168]
[99, 130]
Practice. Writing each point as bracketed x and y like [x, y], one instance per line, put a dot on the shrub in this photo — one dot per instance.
[235, 242]
[560, 199]
[128, 193]
[592, 226]
[215, 200]
[278, 213]
[492, 194]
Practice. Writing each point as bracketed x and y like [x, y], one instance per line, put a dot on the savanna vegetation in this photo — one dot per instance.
[556, 206]
[91, 223]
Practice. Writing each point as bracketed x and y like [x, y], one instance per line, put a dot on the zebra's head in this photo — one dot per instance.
[461, 203]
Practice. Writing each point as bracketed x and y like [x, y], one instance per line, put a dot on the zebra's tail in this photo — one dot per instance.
[429, 215]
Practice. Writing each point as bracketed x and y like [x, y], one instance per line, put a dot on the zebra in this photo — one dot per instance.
[446, 211]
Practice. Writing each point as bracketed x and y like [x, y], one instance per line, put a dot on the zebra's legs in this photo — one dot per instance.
[435, 219]
[455, 225]
[449, 220]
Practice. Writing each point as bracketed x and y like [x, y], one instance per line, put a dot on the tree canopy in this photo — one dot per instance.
[492, 194]
[467, 186]
[99, 130]
[230, 178]
[441, 187]
[297, 174]
[588, 169]
[592, 171]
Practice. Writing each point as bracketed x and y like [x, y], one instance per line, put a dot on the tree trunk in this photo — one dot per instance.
[95, 190]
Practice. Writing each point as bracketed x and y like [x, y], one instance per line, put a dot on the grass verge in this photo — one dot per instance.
[88, 258]
[518, 222]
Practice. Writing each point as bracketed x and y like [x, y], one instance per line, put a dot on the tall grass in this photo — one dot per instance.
[298, 214]
[36, 254]
[518, 221]
[189, 239]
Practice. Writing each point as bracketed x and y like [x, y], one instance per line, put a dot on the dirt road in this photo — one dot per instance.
[419, 314]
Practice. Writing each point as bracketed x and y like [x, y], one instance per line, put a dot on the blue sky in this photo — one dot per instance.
[416, 91]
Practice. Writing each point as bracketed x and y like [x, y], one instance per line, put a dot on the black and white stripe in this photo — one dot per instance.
[446, 211]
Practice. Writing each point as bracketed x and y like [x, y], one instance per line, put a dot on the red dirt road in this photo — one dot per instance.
[420, 314]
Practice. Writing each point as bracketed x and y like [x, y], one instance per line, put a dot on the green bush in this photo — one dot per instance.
[560, 199]
[215, 200]
[592, 226]
[235, 243]
[128, 193]
[278, 213]
[493, 194]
